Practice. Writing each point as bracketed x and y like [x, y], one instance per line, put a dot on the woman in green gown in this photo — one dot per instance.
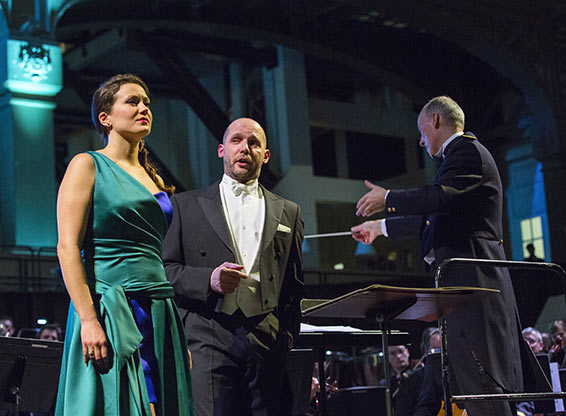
[125, 351]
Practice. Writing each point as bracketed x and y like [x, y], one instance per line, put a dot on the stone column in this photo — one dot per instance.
[287, 111]
[288, 137]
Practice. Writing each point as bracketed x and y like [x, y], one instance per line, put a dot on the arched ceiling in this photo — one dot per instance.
[478, 52]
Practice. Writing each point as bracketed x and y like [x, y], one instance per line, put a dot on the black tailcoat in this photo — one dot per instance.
[460, 215]
[197, 242]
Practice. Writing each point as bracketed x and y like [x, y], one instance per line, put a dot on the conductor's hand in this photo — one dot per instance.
[372, 202]
[226, 277]
[367, 231]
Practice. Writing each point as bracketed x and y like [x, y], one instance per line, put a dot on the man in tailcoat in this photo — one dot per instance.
[459, 215]
[233, 256]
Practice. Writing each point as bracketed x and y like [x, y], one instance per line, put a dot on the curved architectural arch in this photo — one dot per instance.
[224, 31]
[507, 37]
[518, 45]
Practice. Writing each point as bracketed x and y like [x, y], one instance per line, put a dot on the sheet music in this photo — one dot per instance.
[328, 328]
[555, 377]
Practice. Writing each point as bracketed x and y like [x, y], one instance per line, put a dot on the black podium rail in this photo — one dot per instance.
[518, 397]
[510, 397]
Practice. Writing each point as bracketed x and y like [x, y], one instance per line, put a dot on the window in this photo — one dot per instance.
[374, 157]
[531, 233]
[323, 147]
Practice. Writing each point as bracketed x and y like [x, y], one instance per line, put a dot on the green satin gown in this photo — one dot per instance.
[122, 258]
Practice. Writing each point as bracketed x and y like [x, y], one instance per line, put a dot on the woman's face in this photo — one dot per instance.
[130, 116]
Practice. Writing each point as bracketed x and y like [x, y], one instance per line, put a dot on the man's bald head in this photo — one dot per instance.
[246, 123]
[244, 150]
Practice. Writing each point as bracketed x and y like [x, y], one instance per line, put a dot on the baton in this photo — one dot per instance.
[341, 233]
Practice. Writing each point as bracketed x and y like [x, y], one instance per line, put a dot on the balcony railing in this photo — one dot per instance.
[27, 269]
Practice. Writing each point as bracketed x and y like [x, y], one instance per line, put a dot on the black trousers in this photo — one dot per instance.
[237, 370]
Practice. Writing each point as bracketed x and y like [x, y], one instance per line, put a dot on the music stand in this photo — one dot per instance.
[541, 382]
[387, 303]
[29, 374]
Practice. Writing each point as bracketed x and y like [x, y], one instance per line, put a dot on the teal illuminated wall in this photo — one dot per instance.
[34, 173]
[32, 73]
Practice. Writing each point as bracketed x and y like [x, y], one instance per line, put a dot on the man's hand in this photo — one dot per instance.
[226, 277]
[372, 202]
[367, 231]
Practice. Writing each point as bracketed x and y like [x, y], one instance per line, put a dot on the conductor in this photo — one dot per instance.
[459, 215]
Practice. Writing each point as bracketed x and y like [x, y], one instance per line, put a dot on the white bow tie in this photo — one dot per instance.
[240, 188]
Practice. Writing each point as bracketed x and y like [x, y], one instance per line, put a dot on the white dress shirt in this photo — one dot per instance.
[244, 210]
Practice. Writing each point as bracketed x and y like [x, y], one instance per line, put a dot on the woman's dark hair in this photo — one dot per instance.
[103, 100]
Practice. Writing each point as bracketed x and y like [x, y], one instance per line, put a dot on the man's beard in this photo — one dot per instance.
[242, 175]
